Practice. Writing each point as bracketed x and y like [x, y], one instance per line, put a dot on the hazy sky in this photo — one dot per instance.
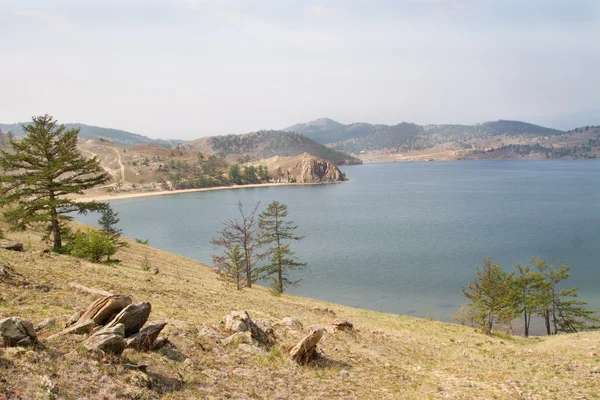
[191, 68]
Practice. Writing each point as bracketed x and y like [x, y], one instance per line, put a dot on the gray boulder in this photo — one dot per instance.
[133, 317]
[15, 331]
[108, 340]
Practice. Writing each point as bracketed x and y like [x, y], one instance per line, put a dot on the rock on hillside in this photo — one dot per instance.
[303, 169]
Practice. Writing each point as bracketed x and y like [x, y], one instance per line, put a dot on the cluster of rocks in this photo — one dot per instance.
[116, 324]
[256, 336]
[113, 322]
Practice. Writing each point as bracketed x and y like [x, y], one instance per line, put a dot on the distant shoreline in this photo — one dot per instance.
[129, 195]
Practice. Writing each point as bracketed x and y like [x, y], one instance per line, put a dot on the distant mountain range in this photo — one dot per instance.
[357, 137]
[569, 121]
[266, 144]
[116, 136]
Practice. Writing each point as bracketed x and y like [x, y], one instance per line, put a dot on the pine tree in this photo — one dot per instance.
[231, 265]
[532, 291]
[563, 312]
[40, 171]
[276, 234]
[108, 222]
[492, 292]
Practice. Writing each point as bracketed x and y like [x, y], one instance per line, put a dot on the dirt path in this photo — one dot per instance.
[114, 174]
[121, 166]
[110, 171]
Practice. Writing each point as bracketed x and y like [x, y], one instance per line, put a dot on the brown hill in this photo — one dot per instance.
[266, 144]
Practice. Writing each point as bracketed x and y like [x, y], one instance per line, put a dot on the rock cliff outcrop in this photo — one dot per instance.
[303, 169]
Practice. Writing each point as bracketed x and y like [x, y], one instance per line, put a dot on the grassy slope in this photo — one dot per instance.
[390, 356]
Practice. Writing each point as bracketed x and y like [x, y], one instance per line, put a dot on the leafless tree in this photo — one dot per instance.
[242, 232]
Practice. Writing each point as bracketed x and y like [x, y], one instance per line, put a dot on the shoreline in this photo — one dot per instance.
[128, 195]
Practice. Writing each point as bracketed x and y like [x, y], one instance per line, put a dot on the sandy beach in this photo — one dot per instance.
[129, 195]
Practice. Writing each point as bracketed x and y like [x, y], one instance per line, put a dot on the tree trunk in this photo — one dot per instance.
[279, 266]
[490, 322]
[55, 224]
[547, 322]
[56, 231]
[280, 277]
[248, 272]
[526, 323]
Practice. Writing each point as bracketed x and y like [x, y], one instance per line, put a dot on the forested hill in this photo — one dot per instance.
[266, 144]
[116, 136]
[357, 137]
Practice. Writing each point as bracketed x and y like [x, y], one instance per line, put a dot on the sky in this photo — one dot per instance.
[191, 68]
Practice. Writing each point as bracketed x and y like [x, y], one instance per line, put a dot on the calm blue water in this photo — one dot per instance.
[404, 237]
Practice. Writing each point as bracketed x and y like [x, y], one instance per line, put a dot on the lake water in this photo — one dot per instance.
[404, 237]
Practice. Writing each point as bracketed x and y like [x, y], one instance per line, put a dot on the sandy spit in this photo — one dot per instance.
[118, 196]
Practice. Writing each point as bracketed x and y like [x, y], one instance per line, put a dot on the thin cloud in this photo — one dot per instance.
[57, 22]
[316, 11]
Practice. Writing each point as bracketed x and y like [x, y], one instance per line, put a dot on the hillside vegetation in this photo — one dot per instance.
[385, 356]
[266, 144]
[116, 136]
[358, 137]
[510, 140]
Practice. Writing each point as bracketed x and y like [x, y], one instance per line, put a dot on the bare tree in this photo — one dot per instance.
[243, 233]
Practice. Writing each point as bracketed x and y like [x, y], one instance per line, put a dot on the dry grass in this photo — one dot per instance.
[389, 356]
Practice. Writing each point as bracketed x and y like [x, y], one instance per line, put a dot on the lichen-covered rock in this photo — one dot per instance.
[133, 317]
[238, 337]
[144, 339]
[11, 246]
[232, 324]
[104, 309]
[108, 340]
[304, 351]
[291, 322]
[45, 324]
[343, 325]
[16, 331]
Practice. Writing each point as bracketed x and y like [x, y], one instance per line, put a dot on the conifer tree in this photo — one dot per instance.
[532, 291]
[108, 222]
[231, 265]
[563, 312]
[276, 233]
[40, 170]
[492, 292]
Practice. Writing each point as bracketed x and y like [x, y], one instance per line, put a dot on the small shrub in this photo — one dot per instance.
[142, 241]
[146, 263]
[92, 245]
